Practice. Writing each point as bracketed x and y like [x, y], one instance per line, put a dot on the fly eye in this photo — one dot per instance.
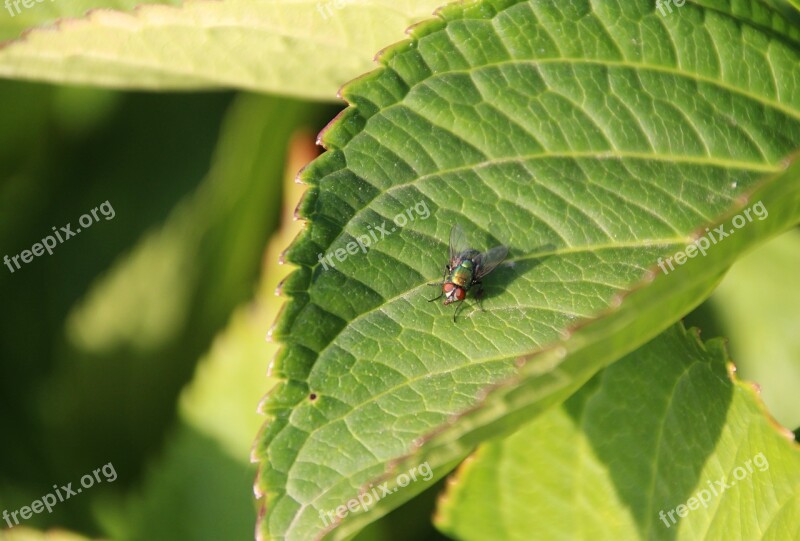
[448, 287]
[460, 294]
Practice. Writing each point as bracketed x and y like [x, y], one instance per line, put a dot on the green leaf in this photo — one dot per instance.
[664, 427]
[307, 48]
[262, 45]
[592, 139]
[16, 18]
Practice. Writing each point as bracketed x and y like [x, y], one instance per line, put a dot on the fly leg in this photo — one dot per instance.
[440, 294]
[458, 309]
[478, 298]
[439, 284]
[479, 295]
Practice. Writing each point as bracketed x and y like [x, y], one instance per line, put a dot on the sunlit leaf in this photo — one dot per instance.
[263, 45]
[662, 445]
[591, 138]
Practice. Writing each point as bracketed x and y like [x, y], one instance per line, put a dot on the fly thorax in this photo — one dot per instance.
[463, 274]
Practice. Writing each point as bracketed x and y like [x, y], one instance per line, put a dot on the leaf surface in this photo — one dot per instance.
[305, 48]
[261, 45]
[17, 18]
[664, 427]
[590, 138]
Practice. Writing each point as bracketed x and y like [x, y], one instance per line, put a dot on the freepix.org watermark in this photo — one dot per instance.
[713, 236]
[60, 495]
[326, 7]
[49, 242]
[27, 4]
[366, 240]
[703, 497]
[661, 3]
[375, 494]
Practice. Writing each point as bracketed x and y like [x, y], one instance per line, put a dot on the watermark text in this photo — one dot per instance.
[59, 495]
[375, 494]
[48, 243]
[713, 236]
[374, 235]
[703, 497]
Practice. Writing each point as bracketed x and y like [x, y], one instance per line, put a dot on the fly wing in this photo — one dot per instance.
[488, 261]
[458, 242]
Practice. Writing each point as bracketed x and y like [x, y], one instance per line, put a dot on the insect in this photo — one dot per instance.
[466, 269]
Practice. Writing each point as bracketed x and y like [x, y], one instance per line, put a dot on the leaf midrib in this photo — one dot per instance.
[659, 440]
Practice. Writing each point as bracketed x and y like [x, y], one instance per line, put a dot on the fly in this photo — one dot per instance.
[466, 269]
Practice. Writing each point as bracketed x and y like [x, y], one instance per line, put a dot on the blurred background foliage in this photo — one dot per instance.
[141, 341]
[99, 339]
